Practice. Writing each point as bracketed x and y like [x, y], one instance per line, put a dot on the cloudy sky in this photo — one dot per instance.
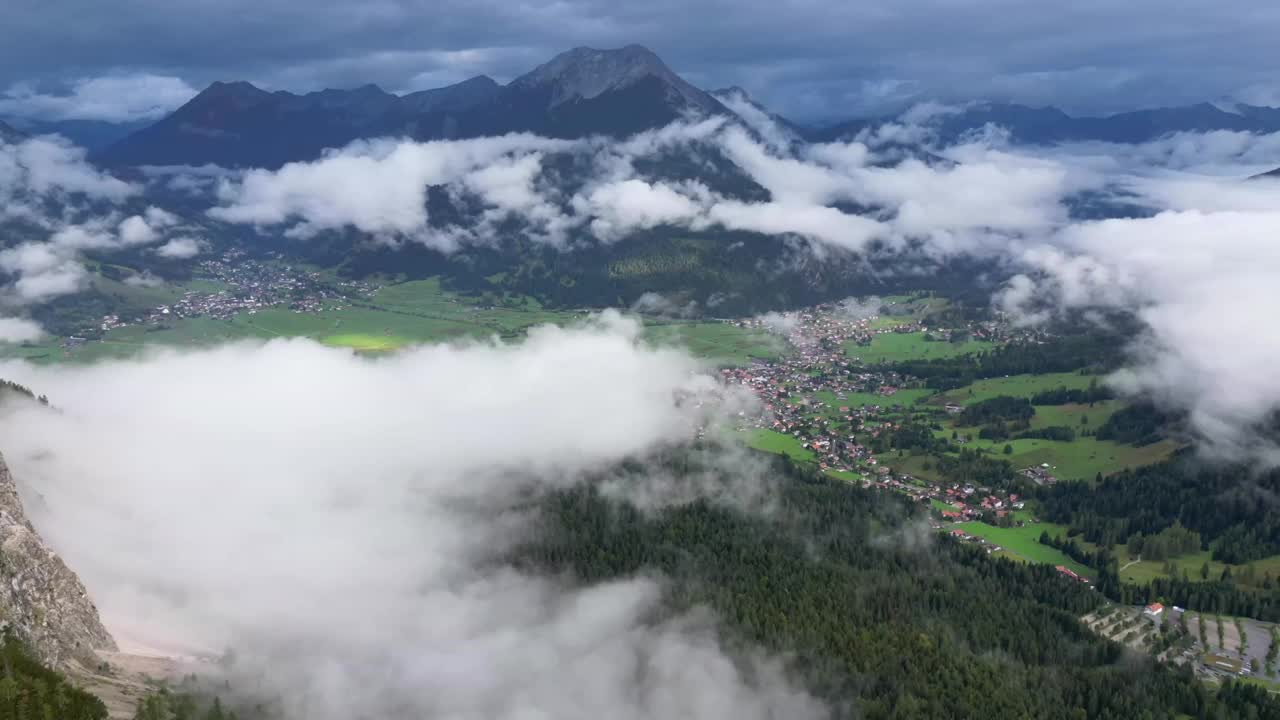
[811, 59]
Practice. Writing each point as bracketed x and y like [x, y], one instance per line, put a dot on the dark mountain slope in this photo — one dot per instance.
[578, 93]
[238, 124]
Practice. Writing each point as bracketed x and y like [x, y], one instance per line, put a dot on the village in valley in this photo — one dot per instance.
[822, 404]
[832, 395]
[233, 284]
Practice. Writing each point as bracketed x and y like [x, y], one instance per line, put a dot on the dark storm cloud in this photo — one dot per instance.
[808, 58]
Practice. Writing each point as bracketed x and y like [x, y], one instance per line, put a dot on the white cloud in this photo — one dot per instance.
[622, 207]
[48, 184]
[774, 135]
[380, 187]
[43, 272]
[1203, 284]
[347, 544]
[144, 280]
[46, 165]
[134, 230]
[179, 248]
[112, 98]
[780, 323]
[856, 309]
[652, 303]
[19, 330]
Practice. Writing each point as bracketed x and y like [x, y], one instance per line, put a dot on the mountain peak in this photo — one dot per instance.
[584, 73]
[235, 88]
[223, 96]
[453, 98]
[478, 80]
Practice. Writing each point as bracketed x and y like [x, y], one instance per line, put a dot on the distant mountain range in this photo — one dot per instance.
[580, 92]
[89, 134]
[1046, 125]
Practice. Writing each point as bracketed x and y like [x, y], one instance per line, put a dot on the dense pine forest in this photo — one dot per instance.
[1171, 509]
[882, 620]
[1231, 507]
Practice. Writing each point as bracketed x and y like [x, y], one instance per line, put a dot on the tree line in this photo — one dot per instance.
[31, 691]
[883, 618]
[1087, 352]
[1233, 508]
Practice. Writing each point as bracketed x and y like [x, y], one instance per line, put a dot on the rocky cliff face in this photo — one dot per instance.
[41, 599]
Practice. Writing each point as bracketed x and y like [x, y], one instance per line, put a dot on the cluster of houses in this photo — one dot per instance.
[252, 286]
[1040, 475]
[789, 388]
[807, 396]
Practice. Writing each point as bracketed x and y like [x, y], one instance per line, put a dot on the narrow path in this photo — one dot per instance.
[1131, 562]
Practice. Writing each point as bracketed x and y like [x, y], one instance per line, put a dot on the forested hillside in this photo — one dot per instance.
[881, 620]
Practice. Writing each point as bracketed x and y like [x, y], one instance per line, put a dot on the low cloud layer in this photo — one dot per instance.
[1204, 284]
[894, 191]
[338, 522]
[18, 330]
[55, 206]
[110, 98]
[979, 194]
[47, 269]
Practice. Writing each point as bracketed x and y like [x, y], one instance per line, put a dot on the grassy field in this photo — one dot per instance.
[897, 347]
[1025, 542]
[940, 506]
[721, 341]
[367, 343]
[844, 475]
[921, 466]
[1145, 571]
[906, 309]
[1015, 385]
[777, 443]
[905, 398]
[395, 316]
[1080, 459]
[1079, 417]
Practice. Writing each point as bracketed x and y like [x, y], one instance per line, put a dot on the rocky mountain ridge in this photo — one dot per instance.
[41, 599]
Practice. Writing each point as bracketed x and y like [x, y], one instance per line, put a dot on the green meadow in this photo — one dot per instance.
[721, 341]
[1025, 542]
[777, 443]
[396, 315]
[367, 343]
[1140, 571]
[897, 347]
[1015, 385]
[906, 398]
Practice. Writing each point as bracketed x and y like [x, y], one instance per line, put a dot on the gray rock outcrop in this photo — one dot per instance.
[41, 599]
